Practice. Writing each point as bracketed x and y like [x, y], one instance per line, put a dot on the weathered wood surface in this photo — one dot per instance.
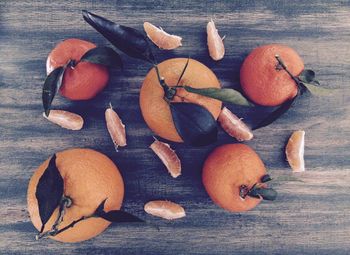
[309, 217]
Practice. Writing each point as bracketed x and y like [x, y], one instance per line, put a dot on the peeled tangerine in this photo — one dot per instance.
[65, 119]
[165, 209]
[168, 157]
[115, 127]
[234, 126]
[215, 42]
[161, 38]
[295, 151]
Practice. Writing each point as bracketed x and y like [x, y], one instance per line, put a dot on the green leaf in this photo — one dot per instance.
[52, 84]
[316, 90]
[225, 95]
[103, 56]
[265, 193]
[49, 191]
[194, 123]
[307, 76]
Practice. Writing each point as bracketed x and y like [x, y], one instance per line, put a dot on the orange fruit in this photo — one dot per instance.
[83, 81]
[155, 110]
[295, 151]
[226, 170]
[264, 83]
[89, 178]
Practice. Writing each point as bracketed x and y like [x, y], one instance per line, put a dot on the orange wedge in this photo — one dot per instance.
[161, 38]
[215, 42]
[165, 209]
[65, 119]
[295, 151]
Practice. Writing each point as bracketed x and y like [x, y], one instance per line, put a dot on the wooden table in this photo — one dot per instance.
[309, 217]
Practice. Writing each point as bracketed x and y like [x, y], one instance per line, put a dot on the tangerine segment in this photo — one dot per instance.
[83, 81]
[226, 169]
[295, 151]
[155, 110]
[89, 178]
[263, 81]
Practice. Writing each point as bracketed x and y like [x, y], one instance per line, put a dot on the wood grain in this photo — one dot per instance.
[309, 217]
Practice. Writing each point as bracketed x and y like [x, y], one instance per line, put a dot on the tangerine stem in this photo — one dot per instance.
[281, 63]
[66, 202]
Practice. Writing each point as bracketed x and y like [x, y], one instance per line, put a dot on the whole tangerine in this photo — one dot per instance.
[155, 110]
[83, 80]
[263, 81]
[89, 178]
[229, 168]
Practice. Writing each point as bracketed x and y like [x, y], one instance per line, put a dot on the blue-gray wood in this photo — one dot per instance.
[309, 217]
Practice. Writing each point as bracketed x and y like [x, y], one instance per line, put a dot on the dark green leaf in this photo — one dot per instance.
[225, 95]
[103, 56]
[316, 90]
[276, 113]
[49, 191]
[129, 40]
[115, 215]
[265, 193]
[307, 76]
[195, 124]
[52, 84]
[266, 178]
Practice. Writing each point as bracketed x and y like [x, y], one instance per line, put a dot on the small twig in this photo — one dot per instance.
[183, 71]
[281, 63]
[66, 202]
[160, 79]
[72, 224]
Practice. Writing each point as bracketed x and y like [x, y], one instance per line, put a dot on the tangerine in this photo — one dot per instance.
[89, 178]
[228, 168]
[82, 80]
[155, 110]
[263, 81]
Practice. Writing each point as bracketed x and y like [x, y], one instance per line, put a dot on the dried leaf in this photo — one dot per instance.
[129, 40]
[49, 191]
[51, 86]
[103, 56]
[115, 215]
[194, 123]
[276, 113]
[225, 95]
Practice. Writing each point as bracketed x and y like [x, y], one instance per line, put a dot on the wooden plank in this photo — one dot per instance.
[309, 217]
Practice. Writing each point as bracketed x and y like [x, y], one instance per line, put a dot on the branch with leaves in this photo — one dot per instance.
[50, 196]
